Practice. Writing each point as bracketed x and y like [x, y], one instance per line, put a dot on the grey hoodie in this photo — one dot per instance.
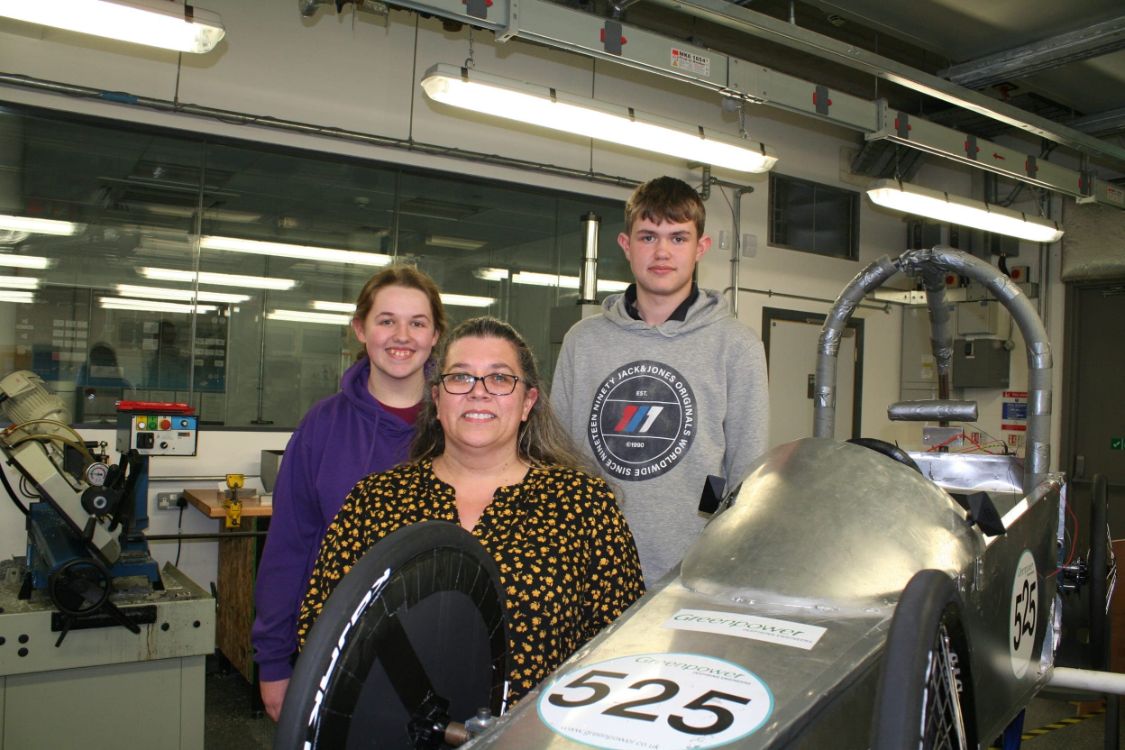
[661, 407]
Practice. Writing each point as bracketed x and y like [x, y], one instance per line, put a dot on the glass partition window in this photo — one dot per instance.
[171, 267]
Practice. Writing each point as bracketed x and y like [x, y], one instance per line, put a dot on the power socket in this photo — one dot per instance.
[168, 500]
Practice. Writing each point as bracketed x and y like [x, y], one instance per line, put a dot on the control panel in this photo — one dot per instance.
[157, 429]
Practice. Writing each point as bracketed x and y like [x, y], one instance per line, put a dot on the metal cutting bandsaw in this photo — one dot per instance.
[86, 519]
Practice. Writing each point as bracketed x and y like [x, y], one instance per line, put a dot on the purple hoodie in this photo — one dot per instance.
[342, 439]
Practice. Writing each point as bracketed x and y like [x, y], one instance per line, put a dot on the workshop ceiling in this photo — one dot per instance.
[1061, 61]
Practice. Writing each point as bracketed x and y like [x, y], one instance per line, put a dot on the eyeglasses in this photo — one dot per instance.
[496, 383]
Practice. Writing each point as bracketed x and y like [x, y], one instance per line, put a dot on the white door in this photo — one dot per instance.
[792, 368]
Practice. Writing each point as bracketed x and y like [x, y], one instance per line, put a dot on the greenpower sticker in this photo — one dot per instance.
[782, 632]
[656, 702]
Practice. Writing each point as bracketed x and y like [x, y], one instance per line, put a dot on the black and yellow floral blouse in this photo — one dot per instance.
[568, 565]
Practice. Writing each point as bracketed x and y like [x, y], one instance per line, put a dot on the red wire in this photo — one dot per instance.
[968, 437]
[1073, 542]
[945, 442]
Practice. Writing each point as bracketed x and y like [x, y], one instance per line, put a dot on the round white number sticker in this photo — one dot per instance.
[656, 701]
[1024, 613]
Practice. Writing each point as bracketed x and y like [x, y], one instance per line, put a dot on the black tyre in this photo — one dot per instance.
[1101, 569]
[415, 630]
[1103, 572]
[889, 450]
[925, 692]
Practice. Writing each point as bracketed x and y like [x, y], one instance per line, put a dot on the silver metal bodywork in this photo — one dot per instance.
[825, 534]
[785, 601]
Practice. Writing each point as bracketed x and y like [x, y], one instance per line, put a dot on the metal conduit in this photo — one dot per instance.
[885, 307]
[828, 345]
[941, 333]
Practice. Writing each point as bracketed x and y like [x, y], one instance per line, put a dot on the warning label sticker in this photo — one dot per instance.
[1013, 420]
[691, 62]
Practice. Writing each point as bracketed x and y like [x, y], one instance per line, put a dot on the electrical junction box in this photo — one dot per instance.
[922, 235]
[157, 429]
[982, 318]
[980, 363]
[918, 374]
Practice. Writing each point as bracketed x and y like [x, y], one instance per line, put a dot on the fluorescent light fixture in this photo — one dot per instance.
[217, 279]
[170, 24]
[176, 247]
[19, 282]
[210, 214]
[300, 252]
[36, 262]
[7, 295]
[466, 300]
[966, 212]
[186, 295]
[455, 243]
[146, 305]
[304, 316]
[36, 226]
[325, 305]
[565, 282]
[545, 107]
[454, 300]
[491, 274]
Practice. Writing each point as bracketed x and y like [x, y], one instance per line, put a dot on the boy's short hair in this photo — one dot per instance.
[665, 199]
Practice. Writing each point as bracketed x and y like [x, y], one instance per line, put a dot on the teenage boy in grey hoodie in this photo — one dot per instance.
[664, 386]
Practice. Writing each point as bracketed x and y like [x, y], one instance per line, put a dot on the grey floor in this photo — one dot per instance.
[1058, 724]
[231, 723]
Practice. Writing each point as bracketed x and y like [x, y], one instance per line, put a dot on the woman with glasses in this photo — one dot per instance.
[366, 427]
[491, 456]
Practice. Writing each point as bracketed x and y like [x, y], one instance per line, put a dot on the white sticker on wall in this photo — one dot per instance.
[784, 632]
[1023, 614]
[692, 62]
[657, 702]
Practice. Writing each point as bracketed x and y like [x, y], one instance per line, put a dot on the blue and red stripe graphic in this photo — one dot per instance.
[637, 419]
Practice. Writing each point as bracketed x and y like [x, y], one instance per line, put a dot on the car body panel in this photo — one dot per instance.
[794, 585]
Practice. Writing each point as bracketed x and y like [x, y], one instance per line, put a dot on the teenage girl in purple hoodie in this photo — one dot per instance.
[365, 428]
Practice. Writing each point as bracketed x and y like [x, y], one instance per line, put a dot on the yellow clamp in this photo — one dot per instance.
[235, 482]
[234, 513]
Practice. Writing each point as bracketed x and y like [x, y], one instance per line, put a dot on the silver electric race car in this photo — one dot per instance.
[848, 595]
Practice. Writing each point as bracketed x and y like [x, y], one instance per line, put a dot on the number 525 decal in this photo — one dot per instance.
[1023, 613]
[657, 697]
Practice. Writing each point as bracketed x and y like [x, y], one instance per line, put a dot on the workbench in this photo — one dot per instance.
[103, 686]
[238, 566]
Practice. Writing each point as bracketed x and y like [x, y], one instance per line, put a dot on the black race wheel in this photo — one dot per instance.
[413, 636]
[925, 698]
